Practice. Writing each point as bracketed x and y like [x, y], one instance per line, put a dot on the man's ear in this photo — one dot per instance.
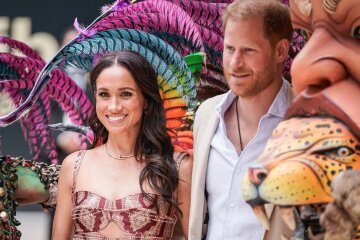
[282, 50]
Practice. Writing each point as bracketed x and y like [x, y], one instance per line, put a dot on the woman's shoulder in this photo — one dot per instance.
[70, 159]
[74, 158]
[183, 161]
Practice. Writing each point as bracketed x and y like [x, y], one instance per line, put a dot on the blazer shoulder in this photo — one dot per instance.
[209, 104]
[205, 113]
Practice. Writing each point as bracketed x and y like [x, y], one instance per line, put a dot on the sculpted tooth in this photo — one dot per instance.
[261, 215]
[287, 215]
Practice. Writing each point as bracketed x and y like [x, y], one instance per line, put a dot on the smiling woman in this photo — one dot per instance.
[119, 102]
[131, 172]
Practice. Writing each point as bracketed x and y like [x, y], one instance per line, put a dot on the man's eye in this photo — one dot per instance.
[249, 50]
[356, 32]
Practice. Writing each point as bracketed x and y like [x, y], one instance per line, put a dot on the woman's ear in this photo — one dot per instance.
[282, 50]
[145, 106]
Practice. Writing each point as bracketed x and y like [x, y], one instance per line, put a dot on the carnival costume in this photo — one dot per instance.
[174, 36]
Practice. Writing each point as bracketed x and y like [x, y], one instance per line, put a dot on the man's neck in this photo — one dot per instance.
[251, 109]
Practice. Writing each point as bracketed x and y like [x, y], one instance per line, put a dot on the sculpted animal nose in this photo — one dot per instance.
[257, 175]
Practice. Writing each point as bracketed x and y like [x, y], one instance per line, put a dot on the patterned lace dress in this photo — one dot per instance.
[135, 216]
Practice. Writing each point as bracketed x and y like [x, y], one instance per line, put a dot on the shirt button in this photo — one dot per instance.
[237, 170]
[232, 205]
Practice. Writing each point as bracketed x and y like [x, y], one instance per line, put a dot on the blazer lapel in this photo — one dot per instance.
[201, 154]
[204, 146]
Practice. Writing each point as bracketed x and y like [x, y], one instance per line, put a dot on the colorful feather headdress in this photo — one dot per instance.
[18, 74]
[162, 31]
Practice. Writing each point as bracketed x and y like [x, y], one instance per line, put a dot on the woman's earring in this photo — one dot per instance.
[146, 107]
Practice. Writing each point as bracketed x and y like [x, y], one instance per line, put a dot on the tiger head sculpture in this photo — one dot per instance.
[320, 136]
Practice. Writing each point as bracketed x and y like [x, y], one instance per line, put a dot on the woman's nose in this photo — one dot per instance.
[319, 64]
[115, 105]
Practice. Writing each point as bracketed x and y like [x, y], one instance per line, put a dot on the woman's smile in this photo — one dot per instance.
[116, 118]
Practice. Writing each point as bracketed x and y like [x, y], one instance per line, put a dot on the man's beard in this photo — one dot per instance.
[259, 82]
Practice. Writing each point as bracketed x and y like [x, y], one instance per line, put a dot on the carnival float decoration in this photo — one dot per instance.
[309, 167]
[183, 41]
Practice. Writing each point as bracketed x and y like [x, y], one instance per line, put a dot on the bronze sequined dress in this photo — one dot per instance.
[136, 216]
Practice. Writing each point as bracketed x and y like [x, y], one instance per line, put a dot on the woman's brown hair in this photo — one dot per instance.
[153, 144]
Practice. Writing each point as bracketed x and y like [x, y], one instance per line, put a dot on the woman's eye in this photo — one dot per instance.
[126, 94]
[356, 32]
[103, 94]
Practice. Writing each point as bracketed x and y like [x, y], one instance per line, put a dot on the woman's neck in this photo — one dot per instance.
[122, 145]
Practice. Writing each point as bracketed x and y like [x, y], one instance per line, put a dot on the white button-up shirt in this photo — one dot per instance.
[230, 217]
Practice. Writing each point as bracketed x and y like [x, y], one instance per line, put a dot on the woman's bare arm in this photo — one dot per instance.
[63, 223]
[184, 191]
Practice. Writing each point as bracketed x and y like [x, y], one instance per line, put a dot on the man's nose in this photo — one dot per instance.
[319, 63]
[237, 60]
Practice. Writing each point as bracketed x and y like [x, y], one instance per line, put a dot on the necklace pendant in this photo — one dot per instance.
[115, 157]
[238, 122]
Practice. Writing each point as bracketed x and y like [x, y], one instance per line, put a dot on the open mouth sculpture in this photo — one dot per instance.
[298, 167]
[309, 167]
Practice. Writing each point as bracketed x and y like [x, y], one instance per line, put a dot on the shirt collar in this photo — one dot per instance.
[277, 108]
[281, 101]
